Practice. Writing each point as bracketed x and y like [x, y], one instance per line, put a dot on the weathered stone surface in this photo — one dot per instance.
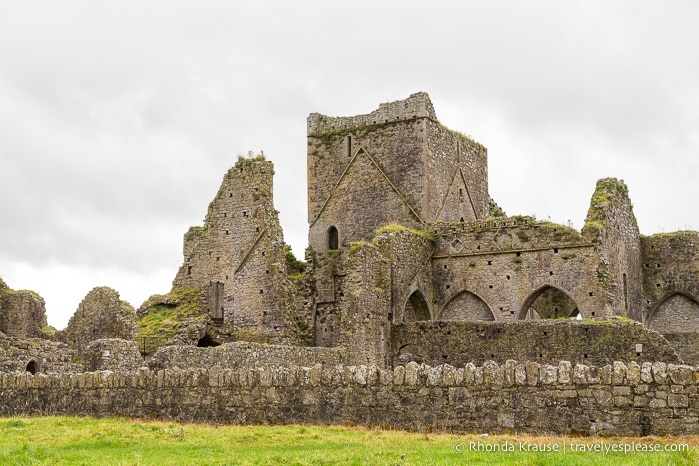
[318, 395]
[22, 313]
[100, 315]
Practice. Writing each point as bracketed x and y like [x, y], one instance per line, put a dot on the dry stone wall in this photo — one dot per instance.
[652, 398]
[587, 342]
[244, 354]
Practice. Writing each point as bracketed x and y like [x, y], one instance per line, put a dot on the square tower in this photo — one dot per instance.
[397, 164]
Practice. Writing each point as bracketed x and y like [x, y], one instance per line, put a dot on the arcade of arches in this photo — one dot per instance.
[547, 302]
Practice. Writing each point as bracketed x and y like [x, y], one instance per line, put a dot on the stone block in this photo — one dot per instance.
[621, 391]
[434, 376]
[618, 372]
[564, 372]
[520, 374]
[532, 370]
[605, 374]
[411, 377]
[680, 374]
[647, 372]
[509, 373]
[360, 376]
[492, 374]
[399, 375]
[677, 401]
[548, 374]
[633, 373]
[657, 403]
[659, 372]
[448, 375]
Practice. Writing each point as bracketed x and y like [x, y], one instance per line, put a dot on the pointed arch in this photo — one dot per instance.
[333, 238]
[548, 302]
[676, 312]
[466, 306]
[416, 308]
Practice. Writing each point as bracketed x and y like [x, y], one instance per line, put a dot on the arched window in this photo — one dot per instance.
[416, 308]
[548, 302]
[31, 367]
[466, 307]
[333, 238]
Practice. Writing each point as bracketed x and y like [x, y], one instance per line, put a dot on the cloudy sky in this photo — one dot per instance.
[119, 119]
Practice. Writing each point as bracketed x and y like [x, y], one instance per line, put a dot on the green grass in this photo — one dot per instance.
[77, 440]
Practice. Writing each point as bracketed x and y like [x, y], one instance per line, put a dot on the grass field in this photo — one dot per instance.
[77, 440]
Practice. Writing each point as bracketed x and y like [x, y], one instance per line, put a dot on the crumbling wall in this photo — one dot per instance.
[611, 225]
[238, 258]
[112, 354]
[362, 290]
[545, 342]
[101, 314]
[37, 355]
[616, 399]
[22, 313]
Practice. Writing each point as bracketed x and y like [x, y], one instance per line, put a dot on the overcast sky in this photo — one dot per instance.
[118, 120]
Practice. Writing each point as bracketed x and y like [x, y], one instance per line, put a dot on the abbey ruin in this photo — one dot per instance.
[420, 304]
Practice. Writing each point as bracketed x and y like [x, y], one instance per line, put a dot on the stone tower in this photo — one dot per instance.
[397, 164]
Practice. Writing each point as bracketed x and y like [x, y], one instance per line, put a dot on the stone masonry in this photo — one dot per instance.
[420, 305]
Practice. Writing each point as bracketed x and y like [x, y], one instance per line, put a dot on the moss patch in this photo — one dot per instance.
[164, 315]
[394, 227]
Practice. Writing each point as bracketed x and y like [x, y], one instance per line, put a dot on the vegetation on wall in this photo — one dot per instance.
[164, 315]
[243, 160]
[607, 191]
[296, 268]
[395, 228]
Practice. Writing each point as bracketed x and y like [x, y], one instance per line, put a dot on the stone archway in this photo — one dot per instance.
[466, 307]
[548, 302]
[677, 312]
[416, 308]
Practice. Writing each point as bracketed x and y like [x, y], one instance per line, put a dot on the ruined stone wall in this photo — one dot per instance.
[101, 314]
[587, 342]
[238, 257]
[244, 354]
[671, 281]
[112, 354]
[361, 291]
[495, 269]
[21, 354]
[403, 167]
[617, 399]
[22, 313]
[685, 344]
[612, 226]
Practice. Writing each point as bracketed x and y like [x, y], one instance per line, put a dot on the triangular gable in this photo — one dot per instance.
[364, 180]
[458, 203]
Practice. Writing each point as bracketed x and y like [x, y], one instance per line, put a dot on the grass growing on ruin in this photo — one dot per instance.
[164, 315]
[74, 440]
